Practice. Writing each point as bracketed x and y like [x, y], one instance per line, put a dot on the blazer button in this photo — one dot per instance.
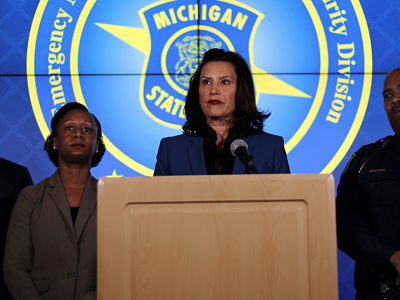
[71, 274]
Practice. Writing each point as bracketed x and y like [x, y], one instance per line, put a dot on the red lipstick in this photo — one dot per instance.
[214, 102]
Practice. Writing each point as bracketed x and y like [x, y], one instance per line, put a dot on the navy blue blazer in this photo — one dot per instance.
[184, 155]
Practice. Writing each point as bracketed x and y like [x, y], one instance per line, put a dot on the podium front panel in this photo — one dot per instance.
[217, 237]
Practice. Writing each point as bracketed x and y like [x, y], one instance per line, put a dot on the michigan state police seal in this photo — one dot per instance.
[130, 62]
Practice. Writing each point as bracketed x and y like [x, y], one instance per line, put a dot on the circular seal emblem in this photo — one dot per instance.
[130, 63]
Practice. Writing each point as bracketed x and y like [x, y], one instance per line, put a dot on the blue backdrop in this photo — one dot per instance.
[117, 53]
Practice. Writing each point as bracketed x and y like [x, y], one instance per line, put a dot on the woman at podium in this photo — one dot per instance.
[51, 242]
[223, 132]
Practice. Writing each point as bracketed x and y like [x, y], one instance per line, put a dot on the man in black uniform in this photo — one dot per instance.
[368, 207]
[13, 178]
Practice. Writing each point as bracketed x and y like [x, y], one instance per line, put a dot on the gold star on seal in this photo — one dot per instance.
[265, 83]
[114, 175]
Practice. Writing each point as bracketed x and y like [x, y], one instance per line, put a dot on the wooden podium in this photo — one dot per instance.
[217, 237]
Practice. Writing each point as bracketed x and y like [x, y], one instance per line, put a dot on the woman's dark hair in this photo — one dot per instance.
[48, 144]
[246, 117]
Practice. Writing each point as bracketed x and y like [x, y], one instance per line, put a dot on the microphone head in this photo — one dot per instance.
[236, 144]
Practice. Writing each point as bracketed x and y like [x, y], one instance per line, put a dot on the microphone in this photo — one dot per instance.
[239, 148]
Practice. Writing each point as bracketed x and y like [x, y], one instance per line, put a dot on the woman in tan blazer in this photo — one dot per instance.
[51, 241]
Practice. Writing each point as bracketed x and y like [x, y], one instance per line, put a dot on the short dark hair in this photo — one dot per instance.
[246, 116]
[48, 144]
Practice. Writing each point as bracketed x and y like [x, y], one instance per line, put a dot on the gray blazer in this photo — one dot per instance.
[46, 257]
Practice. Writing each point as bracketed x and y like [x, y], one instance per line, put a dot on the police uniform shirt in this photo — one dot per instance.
[368, 210]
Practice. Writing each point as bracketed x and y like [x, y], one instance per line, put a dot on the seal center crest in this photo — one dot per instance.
[191, 50]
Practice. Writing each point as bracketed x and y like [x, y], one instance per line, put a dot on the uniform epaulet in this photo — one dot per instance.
[380, 143]
[389, 137]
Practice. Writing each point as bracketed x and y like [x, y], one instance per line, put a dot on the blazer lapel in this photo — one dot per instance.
[238, 166]
[60, 198]
[87, 206]
[196, 155]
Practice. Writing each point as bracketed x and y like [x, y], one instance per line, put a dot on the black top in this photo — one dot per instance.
[74, 213]
[225, 157]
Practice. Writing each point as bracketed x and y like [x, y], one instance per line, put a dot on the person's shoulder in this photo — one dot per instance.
[184, 135]
[9, 163]
[13, 174]
[181, 138]
[266, 135]
[364, 153]
[39, 187]
[9, 166]
[372, 147]
[31, 195]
